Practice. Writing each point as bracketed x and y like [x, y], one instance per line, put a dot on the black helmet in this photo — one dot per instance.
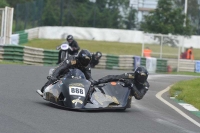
[141, 75]
[69, 38]
[98, 55]
[84, 57]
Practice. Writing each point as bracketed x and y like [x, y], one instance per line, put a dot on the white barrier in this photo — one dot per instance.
[33, 33]
[100, 34]
[15, 39]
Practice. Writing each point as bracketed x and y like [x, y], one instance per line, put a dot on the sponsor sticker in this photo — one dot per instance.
[73, 62]
[77, 84]
[77, 101]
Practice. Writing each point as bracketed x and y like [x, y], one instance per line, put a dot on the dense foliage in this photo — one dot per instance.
[192, 12]
[3, 3]
[83, 13]
[117, 14]
[167, 19]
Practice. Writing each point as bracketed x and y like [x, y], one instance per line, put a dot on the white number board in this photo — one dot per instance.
[79, 91]
[64, 46]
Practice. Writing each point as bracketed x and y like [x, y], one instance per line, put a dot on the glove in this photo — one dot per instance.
[127, 83]
[53, 79]
[94, 82]
[71, 48]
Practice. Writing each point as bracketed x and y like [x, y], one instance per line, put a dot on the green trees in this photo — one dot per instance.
[50, 16]
[13, 3]
[167, 19]
[102, 14]
[117, 14]
[192, 12]
[3, 3]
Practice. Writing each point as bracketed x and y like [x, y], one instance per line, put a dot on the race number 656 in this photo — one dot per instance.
[79, 91]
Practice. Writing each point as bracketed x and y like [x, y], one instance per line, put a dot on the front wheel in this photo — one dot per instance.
[63, 55]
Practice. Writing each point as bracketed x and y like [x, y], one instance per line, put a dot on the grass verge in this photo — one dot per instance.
[188, 91]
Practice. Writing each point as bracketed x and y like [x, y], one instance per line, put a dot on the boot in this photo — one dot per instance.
[40, 93]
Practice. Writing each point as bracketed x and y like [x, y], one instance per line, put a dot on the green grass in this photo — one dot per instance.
[114, 48]
[189, 91]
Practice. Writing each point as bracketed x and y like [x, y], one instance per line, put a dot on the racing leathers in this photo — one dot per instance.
[64, 67]
[94, 61]
[75, 47]
[137, 90]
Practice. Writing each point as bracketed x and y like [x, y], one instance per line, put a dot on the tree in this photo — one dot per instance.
[51, 14]
[13, 3]
[130, 19]
[166, 19]
[111, 13]
[101, 14]
[3, 3]
[192, 11]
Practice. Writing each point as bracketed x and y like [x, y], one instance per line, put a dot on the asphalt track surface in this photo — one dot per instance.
[22, 110]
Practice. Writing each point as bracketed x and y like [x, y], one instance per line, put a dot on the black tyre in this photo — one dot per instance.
[62, 58]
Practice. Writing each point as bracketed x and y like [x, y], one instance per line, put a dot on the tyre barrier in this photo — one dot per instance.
[28, 55]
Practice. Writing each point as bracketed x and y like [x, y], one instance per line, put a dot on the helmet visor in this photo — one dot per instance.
[141, 79]
[85, 62]
[69, 40]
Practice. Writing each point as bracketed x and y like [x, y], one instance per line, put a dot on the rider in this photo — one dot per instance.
[73, 44]
[95, 59]
[136, 81]
[80, 61]
[74, 47]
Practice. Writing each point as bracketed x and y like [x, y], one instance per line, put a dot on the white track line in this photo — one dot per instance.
[159, 96]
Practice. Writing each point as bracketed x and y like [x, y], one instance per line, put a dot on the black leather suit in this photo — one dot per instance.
[137, 90]
[94, 61]
[74, 45]
[64, 67]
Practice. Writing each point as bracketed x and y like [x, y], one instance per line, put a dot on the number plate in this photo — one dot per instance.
[64, 46]
[79, 91]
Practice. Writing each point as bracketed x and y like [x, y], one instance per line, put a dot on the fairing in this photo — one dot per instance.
[110, 96]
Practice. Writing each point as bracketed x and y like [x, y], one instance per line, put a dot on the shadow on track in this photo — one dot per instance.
[85, 111]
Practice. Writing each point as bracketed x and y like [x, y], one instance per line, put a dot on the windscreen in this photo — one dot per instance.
[75, 74]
